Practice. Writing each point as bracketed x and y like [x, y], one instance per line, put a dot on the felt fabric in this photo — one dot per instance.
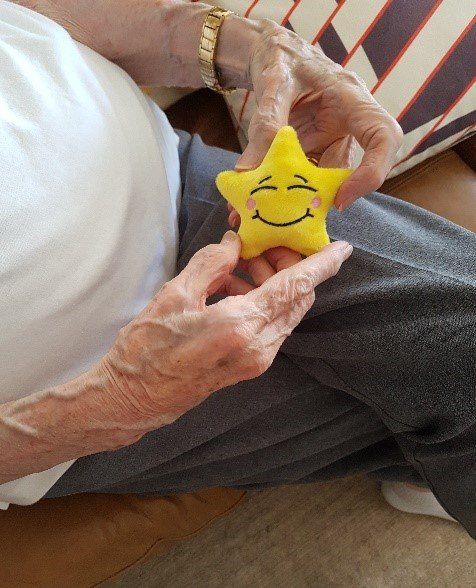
[284, 201]
[378, 378]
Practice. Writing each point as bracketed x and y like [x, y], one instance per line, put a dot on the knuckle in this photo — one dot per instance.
[212, 256]
[303, 285]
[352, 78]
[265, 125]
[388, 128]
[172, 291]
[236, 337]
[397, 132]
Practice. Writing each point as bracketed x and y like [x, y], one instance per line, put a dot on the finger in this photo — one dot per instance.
[286, 288]
[281, 258]
[259, 269]
[234, 219]
[340, 153]
[272, 113]
[208, 270]
[380, 136]
[376, 163]
[235, 286]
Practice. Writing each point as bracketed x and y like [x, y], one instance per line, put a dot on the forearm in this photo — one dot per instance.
[155, 41]
[168, 55]
[63, 423]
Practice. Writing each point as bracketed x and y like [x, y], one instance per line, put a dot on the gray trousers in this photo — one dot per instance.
[379, 377]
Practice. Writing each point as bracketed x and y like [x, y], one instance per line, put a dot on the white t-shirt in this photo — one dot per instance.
[89, 191]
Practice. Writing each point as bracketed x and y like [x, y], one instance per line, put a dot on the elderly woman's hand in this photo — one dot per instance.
[156, 41]
[179, 350]
[295, 83]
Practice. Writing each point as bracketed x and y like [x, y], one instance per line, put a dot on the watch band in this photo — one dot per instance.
[208, 46]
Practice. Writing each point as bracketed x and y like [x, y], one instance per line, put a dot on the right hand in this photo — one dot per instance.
[178, 351]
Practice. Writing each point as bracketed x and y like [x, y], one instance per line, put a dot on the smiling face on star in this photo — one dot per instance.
[283, 202]
[303, 194]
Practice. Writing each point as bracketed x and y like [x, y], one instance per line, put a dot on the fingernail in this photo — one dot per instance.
[346, 203]
[246, 161]
[342, 247]
[228, 237]
[338, 245]
[244, 166]
[347, 252]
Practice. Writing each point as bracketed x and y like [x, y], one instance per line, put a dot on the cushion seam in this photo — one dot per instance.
[142, 558]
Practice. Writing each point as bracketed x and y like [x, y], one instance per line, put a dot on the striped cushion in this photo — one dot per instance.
[416, 56]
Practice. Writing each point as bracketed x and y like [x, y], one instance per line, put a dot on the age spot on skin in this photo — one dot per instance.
[250, 204]
[315, 202]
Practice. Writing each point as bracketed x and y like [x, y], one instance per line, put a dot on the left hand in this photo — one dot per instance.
[295, 83]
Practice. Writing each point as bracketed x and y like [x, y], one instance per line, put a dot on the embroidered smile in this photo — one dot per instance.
[293, 222]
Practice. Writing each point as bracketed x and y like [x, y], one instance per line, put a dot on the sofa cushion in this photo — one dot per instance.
[443, 184]
[85, 539]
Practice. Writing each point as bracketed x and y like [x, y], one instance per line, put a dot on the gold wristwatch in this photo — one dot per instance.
[208, 46]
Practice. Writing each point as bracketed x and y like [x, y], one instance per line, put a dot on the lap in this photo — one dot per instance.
[380, 374]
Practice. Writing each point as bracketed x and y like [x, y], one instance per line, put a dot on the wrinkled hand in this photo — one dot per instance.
[178, 350]
[295, 83]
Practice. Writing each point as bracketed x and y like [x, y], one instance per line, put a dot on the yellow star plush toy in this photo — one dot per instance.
[284, 201]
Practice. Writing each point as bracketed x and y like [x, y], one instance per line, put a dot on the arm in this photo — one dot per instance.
[170, 358]
[62, 423]
[156, 42]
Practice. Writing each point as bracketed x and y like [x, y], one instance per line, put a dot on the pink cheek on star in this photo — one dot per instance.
[250, 204]
[315, 202]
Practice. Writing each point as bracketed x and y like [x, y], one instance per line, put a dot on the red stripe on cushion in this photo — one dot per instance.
[456, 129]
[250, 8]
[290, 11]
[405, 47]
[328, 21]
[437, 68]
[367, 32]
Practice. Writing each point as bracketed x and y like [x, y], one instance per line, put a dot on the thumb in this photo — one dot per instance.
[272, 113]
[209, 269]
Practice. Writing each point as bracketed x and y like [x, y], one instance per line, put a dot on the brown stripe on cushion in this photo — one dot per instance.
[332, 45]
[446, 131]
[451, 79]
[324, 26]
[394, 28]
[405, 47]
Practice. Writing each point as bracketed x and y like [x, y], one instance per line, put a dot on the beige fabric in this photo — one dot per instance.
[341, 534]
